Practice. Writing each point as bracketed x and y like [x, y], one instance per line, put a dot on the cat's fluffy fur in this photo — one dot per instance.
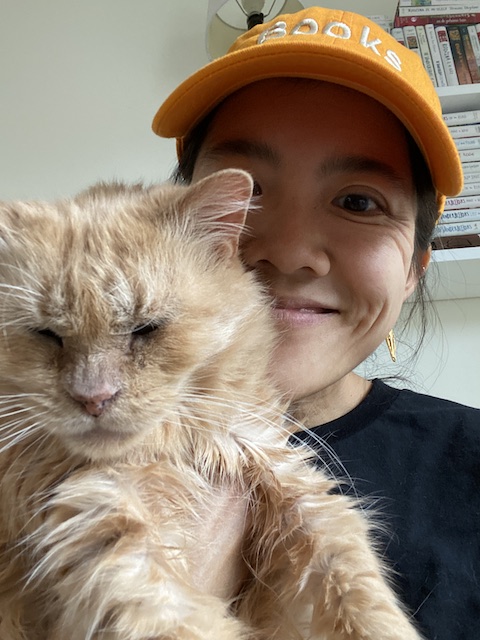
[134, 396]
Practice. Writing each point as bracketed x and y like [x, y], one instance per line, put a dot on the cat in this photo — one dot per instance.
[135, 399]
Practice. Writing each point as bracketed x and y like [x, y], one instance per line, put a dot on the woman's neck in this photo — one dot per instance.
[331, 402]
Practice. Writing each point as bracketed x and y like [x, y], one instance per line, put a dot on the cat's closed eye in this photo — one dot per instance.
[147, 328]
[48, 333]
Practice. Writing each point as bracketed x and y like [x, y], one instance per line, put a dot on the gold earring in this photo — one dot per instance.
[392, 345]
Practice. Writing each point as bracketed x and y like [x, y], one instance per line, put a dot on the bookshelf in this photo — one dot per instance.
[455, 273]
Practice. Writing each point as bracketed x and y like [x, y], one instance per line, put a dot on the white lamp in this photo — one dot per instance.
[228, 19]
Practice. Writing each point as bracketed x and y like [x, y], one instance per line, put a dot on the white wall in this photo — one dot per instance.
[80, 81]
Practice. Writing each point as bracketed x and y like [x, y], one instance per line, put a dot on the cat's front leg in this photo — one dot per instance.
[116, 565]
[346, 583]
[317, 575]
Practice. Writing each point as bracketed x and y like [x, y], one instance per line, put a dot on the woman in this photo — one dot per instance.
[342, 131]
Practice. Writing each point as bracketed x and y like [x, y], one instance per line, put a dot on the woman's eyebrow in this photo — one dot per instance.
[242, 147]
[363, 164]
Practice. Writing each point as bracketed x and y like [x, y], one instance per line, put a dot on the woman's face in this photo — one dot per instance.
[333, 237]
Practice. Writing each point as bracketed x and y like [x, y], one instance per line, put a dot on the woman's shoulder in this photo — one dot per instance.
[421, 410]
[402, 414]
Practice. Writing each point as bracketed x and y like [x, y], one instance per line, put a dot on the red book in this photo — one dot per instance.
[457, 18]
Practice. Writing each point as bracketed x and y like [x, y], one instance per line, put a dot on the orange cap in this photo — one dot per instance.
[334, 46]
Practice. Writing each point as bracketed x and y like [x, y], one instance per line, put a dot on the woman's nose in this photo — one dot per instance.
[287, 240]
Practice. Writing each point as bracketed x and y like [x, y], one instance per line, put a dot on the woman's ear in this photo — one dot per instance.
[427, 255]
[414, 276]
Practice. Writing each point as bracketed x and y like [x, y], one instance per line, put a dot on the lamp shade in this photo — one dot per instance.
[227, 19]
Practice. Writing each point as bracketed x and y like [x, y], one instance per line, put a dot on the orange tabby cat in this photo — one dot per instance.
[134, 400]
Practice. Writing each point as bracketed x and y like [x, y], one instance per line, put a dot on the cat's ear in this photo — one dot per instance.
[221, 202]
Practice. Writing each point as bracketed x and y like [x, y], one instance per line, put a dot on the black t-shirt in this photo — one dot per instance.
[419, 458]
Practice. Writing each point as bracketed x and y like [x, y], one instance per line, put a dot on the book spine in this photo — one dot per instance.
[464, 131]
[467, 202]
[458, 54]
[456, 242]
[439, 10]
[470, 166]
[411, 41]
[469, 155]
[462, 117]
[425, 53]
[460, 215]
[463, 144]
[470, 189]
[475, 42]
[383, 21]
[471, 178]
[436, 56]
[429, 3]
[469, 53]
[447, 57]
[457, 228]
[397, 33]
[458, 18]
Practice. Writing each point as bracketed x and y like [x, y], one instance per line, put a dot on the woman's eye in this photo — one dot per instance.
[257, 189]
[358, 203]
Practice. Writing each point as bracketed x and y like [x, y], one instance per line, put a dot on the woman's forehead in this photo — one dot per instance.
[276, 116]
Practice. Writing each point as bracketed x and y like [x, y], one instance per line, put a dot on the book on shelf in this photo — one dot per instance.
[462, 117]
[472, 64]
[463, 144]
[454, 18]
[464, 131]
[425, 52]
[462, 202]
[440, 77]
[383, 21]
[447, 55]
[458, 54]
[470, 189]
[457, 228]
[445, 9]
[397, 33]
[470, 167]
[428, 3]
[471, 178]
[460, 215]
[469, 155]
[475, 41]
[456, 242]
[411, 40]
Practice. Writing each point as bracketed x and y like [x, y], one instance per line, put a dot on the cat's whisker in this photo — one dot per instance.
[17, 322]
[19, 435]
[13, 396]
[14, 412]
[12, 289]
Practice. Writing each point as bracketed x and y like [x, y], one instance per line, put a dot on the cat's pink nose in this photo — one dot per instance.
[96, 404]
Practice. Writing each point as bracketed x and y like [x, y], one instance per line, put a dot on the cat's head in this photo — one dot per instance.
[118, 306]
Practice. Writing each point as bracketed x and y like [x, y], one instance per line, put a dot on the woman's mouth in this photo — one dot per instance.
[301, 312]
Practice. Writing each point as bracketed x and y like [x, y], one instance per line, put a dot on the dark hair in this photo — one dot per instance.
[425, 221]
